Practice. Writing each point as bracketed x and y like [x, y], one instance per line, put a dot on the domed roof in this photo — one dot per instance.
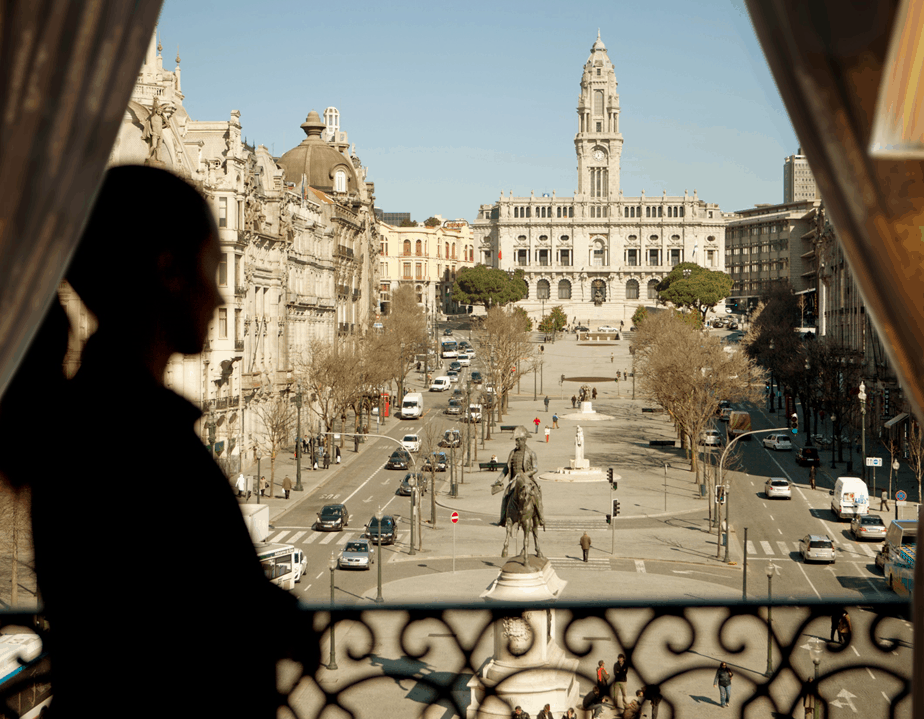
[599, 44]
[317, 161]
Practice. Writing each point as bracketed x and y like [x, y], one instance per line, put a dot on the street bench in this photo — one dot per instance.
[492, 466]
[662, 443]
[508, 427]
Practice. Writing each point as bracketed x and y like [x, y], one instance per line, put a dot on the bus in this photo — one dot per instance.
[24, 675]
[283, 564]
[449, 348]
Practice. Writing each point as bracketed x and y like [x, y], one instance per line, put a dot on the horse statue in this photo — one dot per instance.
[523, 510]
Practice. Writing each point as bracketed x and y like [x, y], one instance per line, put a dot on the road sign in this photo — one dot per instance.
[901, 495]
[454, 517]
[874, 461]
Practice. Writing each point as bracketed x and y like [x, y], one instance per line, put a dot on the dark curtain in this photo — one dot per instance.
[67, 68]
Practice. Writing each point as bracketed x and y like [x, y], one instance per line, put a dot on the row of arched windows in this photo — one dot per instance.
[418, 250]
[597, 287]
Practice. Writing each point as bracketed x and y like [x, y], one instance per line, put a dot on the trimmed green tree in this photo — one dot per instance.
[555, 321]
[692, 287]
[488, 287]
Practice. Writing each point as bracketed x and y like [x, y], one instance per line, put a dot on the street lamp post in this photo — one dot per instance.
[332, 664]
[815, 654]
[805, 415]
[862, 397]
[833, 440]
[771, 568]
[378, 517]
[210, 424]
[895, 466]
[413, 482]
[298, 440]
[256, 488]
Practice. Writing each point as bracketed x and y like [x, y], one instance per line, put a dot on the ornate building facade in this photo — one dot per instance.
[296, 257]
[598, 254]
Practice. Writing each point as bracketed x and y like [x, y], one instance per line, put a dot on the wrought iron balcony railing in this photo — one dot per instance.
[412, 661]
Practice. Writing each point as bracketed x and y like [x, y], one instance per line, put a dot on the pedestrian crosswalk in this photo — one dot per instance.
[785, 549]
[289, 536]
[600, 565]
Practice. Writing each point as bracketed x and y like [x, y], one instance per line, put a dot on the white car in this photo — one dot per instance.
[778, 487]
[464, 359]
[607, 328]
[710, 438]
[411, 442]
[777, 442]
[440, 384]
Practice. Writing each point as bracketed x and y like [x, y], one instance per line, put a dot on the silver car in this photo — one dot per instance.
[710, 438]
[778, 487]
[357, 554]
[867, 526]
[816, 548]
[778, 442]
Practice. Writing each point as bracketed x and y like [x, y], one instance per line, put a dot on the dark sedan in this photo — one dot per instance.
[399, 459]
[436, 462]
[404, 489]
[808, 457]
[386, 533]
[333, 518]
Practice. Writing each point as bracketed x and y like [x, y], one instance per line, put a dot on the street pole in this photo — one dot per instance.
[378, 516]
[298, 440]
[744, 585]
[256, 488]
[413, 482]
[770, 570]
[332, 664]
[833, 440]
[862, 397]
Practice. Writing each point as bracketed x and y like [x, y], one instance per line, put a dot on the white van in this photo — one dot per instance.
[440, 384]
[850, 498]
[412, 406]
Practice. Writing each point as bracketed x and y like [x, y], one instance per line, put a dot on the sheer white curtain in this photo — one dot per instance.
[67, 68]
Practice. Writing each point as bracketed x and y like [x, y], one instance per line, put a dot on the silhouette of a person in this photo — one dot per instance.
[153, 614]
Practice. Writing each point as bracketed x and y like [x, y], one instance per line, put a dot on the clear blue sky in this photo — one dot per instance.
[450, 103]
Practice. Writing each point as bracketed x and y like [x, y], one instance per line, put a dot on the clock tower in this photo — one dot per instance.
[598, 142]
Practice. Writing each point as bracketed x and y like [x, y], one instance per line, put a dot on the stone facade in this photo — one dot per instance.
[428, 257]
[598, 254]
[296, 259]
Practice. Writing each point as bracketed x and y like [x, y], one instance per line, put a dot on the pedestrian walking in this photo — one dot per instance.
[652, 694]
[326, 459]
[884, 501]
[808, 701]
[573, 402]
[835, 620]
[240, 485]
[547, 433]
[541, 348]
[844, 628]
[263, 486]
[337, 450]
[723, 679]
[620, 679]
[812, 476]
[585, 545]
[611, 358]
[594, 394]
[287, 486]
[546, 401]
[603, 677]
[537, 422]
[356, 443]
[555, 421]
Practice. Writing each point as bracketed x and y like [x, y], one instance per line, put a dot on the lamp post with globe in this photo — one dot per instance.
[378, 555]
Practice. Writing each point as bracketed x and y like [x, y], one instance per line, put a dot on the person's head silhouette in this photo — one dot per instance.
[153, 279]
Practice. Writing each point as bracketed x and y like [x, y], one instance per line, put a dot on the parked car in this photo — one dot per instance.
[581, 328]
[867, 526]
[411, 442]
[357, 554]
[436, 462]
[778, 442]
[607, 328]
[404, 489]
[400, 459]
[332, 518]
[710, 438]
[816, 548]
[455, 407]
[387, 531]
[451, 438]
[733, 325]
[778, 487]
[808, 457]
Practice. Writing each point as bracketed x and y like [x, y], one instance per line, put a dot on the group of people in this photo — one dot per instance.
[583, 395]
[613, 686]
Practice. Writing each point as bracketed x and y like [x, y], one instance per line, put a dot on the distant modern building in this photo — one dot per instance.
[598, 254]
[763, 245]
[392, 218]
[798, 181]
[428, 258]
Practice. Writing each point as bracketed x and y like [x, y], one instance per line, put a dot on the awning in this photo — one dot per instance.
[895, 420]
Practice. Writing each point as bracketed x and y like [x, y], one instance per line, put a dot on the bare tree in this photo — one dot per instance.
[276, 416]
[506, 349]
[16, 535]
[405, 332]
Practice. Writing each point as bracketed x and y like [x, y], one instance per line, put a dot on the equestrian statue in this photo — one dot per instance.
[521, 507]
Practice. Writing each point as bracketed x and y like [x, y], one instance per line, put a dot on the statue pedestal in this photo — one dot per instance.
[586, 408]
[580, 464]
[528, 668]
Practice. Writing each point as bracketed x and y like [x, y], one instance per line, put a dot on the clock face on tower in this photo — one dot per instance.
[599, 154]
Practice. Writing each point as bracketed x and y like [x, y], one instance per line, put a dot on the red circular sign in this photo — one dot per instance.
[454, 517]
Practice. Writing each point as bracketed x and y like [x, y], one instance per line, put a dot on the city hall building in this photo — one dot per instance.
[598, 254]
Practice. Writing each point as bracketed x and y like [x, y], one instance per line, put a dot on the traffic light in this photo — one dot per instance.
[609, 518]
[615, 507]
[794, 423]
[609, 477]
[720, 494]
[767, 388]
